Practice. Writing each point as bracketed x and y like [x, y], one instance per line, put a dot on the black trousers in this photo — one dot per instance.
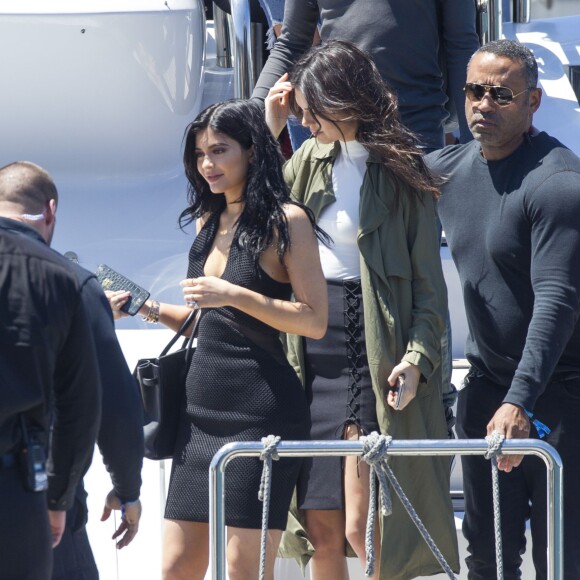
[25, 538]
[523, 491]
[73, 557]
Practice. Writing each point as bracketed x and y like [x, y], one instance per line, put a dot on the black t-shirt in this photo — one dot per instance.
[513, 231]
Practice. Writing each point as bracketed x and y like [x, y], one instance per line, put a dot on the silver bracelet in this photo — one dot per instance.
[153, 314]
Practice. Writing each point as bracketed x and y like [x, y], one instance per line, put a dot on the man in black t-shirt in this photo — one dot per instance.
[510, 210]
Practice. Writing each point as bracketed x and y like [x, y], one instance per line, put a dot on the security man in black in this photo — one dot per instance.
[49, 383]
[29, 197]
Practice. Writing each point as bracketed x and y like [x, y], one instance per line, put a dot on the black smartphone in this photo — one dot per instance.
[112, 280]
[401, 388]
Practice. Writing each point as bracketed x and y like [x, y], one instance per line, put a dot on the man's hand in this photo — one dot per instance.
[131, 514]
[57, 521]
[512, 422]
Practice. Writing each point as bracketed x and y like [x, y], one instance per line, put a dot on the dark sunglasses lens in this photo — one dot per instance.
[472, 92]
[499, 95]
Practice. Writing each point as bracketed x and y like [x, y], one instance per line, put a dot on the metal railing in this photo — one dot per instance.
[536, 447]
[490, 17]
[237, 45]
[522, 9]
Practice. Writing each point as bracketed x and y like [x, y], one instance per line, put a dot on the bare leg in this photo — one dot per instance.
[243, 553]
[356, 494]
[326, 532]
[185, 550]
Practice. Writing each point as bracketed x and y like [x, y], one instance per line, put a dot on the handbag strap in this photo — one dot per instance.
[190, 318]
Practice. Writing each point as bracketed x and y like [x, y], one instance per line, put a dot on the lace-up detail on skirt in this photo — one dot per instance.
[339, 386]
[352, 331]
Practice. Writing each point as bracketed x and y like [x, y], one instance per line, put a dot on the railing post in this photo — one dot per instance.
[555, 507]
[493, 17]
[522, 9]
[217, 515]
[242, 49]
[223, 41]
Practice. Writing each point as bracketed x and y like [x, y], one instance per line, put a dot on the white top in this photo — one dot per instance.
[340, 219]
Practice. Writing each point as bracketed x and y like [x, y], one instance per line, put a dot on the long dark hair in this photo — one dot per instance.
[265, 192]
[341, 81]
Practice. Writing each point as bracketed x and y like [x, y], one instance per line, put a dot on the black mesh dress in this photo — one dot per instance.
[239, 388]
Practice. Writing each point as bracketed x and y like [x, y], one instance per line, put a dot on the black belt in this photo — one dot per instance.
[9, 460]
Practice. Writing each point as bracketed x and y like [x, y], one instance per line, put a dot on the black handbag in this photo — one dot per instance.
[162, 384]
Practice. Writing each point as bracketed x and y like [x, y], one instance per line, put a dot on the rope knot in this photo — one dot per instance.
[270, 444]
[269, 452]
[494, 443]
[375, 447]
[375, 453]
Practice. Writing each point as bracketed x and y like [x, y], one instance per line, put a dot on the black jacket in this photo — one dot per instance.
[48, 365]
[120, 437]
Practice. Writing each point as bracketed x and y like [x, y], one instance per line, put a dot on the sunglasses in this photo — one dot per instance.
[499, 95]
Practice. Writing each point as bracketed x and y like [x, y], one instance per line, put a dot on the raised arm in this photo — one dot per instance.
[276, 104]
[300, 20]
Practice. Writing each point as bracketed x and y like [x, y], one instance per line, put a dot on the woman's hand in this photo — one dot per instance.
[207, 292]
[410, 375]
[276, 104]
[116, 300]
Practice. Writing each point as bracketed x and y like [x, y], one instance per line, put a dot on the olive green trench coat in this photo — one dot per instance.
[405, 304]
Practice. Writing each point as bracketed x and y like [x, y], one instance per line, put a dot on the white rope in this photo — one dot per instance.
[270, 452]
[494, 442]
[375, 450]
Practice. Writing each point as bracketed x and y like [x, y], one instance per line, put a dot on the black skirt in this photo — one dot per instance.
[339, 389]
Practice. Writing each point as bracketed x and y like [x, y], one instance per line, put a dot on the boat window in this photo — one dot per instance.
[554, 8]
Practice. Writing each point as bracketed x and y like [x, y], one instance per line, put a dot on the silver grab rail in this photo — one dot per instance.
[242, 49]
[491, 15]
[535, 447]
[522, 10]
[222, 37]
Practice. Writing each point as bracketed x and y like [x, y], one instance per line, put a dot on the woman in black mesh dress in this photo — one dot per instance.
[254, 248]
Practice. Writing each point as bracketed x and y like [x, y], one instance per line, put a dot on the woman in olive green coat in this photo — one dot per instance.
[363, 177]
